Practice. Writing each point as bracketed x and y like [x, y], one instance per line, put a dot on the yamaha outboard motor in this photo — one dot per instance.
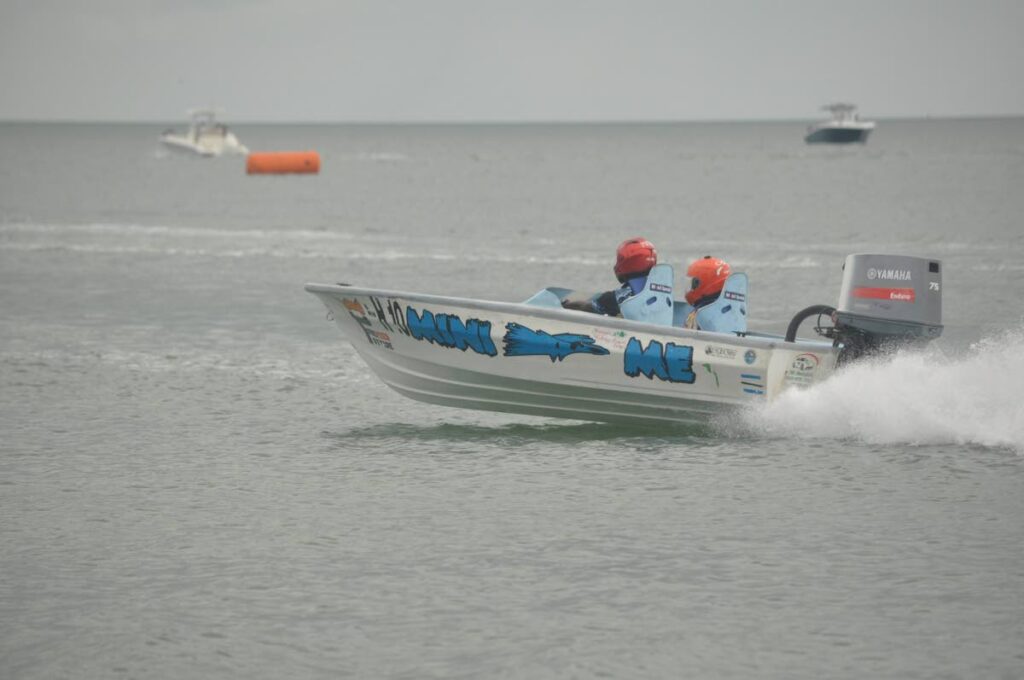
[886, 302]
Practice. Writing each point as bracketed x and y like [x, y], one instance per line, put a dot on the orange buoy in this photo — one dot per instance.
[282, 162]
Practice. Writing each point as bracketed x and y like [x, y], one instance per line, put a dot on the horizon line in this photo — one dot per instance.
[500, 121]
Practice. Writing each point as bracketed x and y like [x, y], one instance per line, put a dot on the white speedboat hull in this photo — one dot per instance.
[520, 358]
[209, 146]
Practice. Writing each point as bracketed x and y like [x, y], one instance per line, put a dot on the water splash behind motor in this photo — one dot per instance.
[911, 398]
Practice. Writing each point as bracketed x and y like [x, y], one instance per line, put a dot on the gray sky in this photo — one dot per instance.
[508, 60]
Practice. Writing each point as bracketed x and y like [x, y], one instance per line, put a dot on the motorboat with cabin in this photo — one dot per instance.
[537, 358]
[844, 127]
[206, 136]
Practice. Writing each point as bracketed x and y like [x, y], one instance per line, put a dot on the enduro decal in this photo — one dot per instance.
[897, 294]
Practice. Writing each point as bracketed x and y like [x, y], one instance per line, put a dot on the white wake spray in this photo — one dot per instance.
[912, 398]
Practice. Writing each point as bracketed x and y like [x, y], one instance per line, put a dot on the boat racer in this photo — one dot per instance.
[707, 276]
[634, 259]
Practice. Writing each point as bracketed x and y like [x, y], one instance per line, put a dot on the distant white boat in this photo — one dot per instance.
[845, 127]
[206, 136]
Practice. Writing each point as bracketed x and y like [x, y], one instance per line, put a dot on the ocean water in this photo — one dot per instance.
[200, 478]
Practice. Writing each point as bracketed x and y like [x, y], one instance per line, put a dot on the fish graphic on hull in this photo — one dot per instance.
[521, 341]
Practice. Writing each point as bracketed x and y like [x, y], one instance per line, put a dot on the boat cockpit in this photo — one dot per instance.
[654, 303]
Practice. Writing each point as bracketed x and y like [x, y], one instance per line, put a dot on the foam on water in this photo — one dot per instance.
[180, 241]
[912, 398]
[149, 230]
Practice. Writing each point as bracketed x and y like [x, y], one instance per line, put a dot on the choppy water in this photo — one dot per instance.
[199, 478]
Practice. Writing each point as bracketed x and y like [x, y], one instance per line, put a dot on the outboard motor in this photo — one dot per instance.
[886, 302]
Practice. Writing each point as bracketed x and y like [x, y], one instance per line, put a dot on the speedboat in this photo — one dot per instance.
[845, 127]
[537, 358]
[205, 136]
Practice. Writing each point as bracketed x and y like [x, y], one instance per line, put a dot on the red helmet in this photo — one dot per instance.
[634, 257]
[708, 275]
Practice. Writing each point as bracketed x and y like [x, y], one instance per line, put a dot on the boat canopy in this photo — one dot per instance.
[841, 110]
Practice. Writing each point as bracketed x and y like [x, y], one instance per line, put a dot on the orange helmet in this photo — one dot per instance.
[634, 256]
[708, 275]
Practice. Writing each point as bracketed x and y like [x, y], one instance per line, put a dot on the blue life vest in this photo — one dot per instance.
[653, 302]
[727, 314]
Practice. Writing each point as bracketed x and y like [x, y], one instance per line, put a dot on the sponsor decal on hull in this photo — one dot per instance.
[358, 313]
[801, 369]
[720, 352]
[521, 341]
[669, 362]
[609, 338]
[396, 315]
[449, 330]
[752, 383]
